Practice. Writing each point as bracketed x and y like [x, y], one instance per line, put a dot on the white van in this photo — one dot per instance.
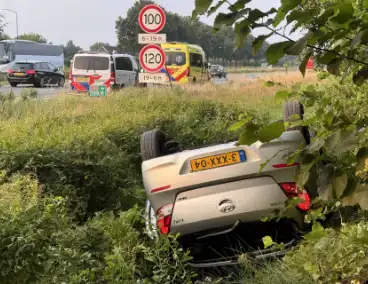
[96, 68]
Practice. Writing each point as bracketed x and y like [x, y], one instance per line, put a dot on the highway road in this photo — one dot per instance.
[50, 92]
[42, 92]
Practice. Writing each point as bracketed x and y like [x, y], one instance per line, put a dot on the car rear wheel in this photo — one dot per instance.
[293, 111]
[152, 144]
[61, 82]
[13, 84]
[155, 144]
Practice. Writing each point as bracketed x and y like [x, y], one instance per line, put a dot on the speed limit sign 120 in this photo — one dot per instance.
[152, 18]
[152, 58]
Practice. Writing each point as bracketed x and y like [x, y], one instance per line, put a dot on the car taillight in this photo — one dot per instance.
[31, 72]
[291, 190]
[10, 71]
[70, 73]
[163, 216]
[112, 77]
[188, 72]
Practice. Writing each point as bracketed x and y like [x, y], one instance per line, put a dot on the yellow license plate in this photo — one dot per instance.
[19, 74]
[81, 79]
[217, 161]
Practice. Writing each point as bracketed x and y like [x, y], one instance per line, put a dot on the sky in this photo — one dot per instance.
[87, 21]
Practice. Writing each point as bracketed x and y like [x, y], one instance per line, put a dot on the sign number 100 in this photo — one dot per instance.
[150, 19]
[152, 58]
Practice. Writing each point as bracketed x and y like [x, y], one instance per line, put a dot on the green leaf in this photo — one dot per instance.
[327, 57]
[317, 233]
[286, 6]
[334, 67]
[250, 135]
[282, 95]
[303, 64]
[240, 124]
[225, 19]
[342, 140]
[339, 184]
[255, 14]
[324, 180]
[276, 51]
[346, 12]
[201, 6]
[258, 42]
[297, 47]
[267, 241]
[242, 31]
[300, 16]
[238, 5]
[214, 8]
[271, 131]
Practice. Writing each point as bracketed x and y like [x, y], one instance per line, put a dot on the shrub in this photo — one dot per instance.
[330, 256]
[89, 150]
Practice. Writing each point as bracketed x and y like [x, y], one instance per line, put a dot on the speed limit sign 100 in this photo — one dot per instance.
[152, 18]
[152, 58]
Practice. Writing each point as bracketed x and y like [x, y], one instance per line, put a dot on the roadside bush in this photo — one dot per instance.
[331, 256]
[39, 243]
[89, 150]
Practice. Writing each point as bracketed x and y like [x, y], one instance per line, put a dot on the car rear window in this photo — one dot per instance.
[92, 63]
[22, 66]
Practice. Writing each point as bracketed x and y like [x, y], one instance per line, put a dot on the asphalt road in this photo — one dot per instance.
[49, 92]
[42, 92]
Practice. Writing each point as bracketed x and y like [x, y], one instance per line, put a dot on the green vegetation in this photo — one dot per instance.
[335, 35]
[65, 160]
[33, 37]
[185, 29]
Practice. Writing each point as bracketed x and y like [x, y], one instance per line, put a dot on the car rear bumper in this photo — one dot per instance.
[22, 80]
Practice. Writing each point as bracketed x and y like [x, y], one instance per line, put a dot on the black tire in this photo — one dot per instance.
[295, 108]
[152, 144]
[13, 84]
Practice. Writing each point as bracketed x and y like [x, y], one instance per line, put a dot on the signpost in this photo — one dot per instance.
[152, 58]
[97, 91]
[152, 20]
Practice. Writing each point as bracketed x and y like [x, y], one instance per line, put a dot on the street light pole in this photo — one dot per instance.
[16, 18]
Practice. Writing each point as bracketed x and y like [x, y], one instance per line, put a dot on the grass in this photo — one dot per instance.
[87, 149]
[258, 69]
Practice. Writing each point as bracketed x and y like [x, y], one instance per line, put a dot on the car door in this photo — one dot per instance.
[124, 71]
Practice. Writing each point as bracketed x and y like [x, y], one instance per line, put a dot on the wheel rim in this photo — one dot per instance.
[61, 82]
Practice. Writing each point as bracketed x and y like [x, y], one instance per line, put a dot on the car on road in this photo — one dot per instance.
[218, 71]
[37, 73]
[112, 70]
[215, 197]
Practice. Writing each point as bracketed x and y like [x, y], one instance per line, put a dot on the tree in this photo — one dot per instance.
[2, 26]
[33, 37]
[101, 46]
[69, 50]
[335, 33]
[184, 29]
